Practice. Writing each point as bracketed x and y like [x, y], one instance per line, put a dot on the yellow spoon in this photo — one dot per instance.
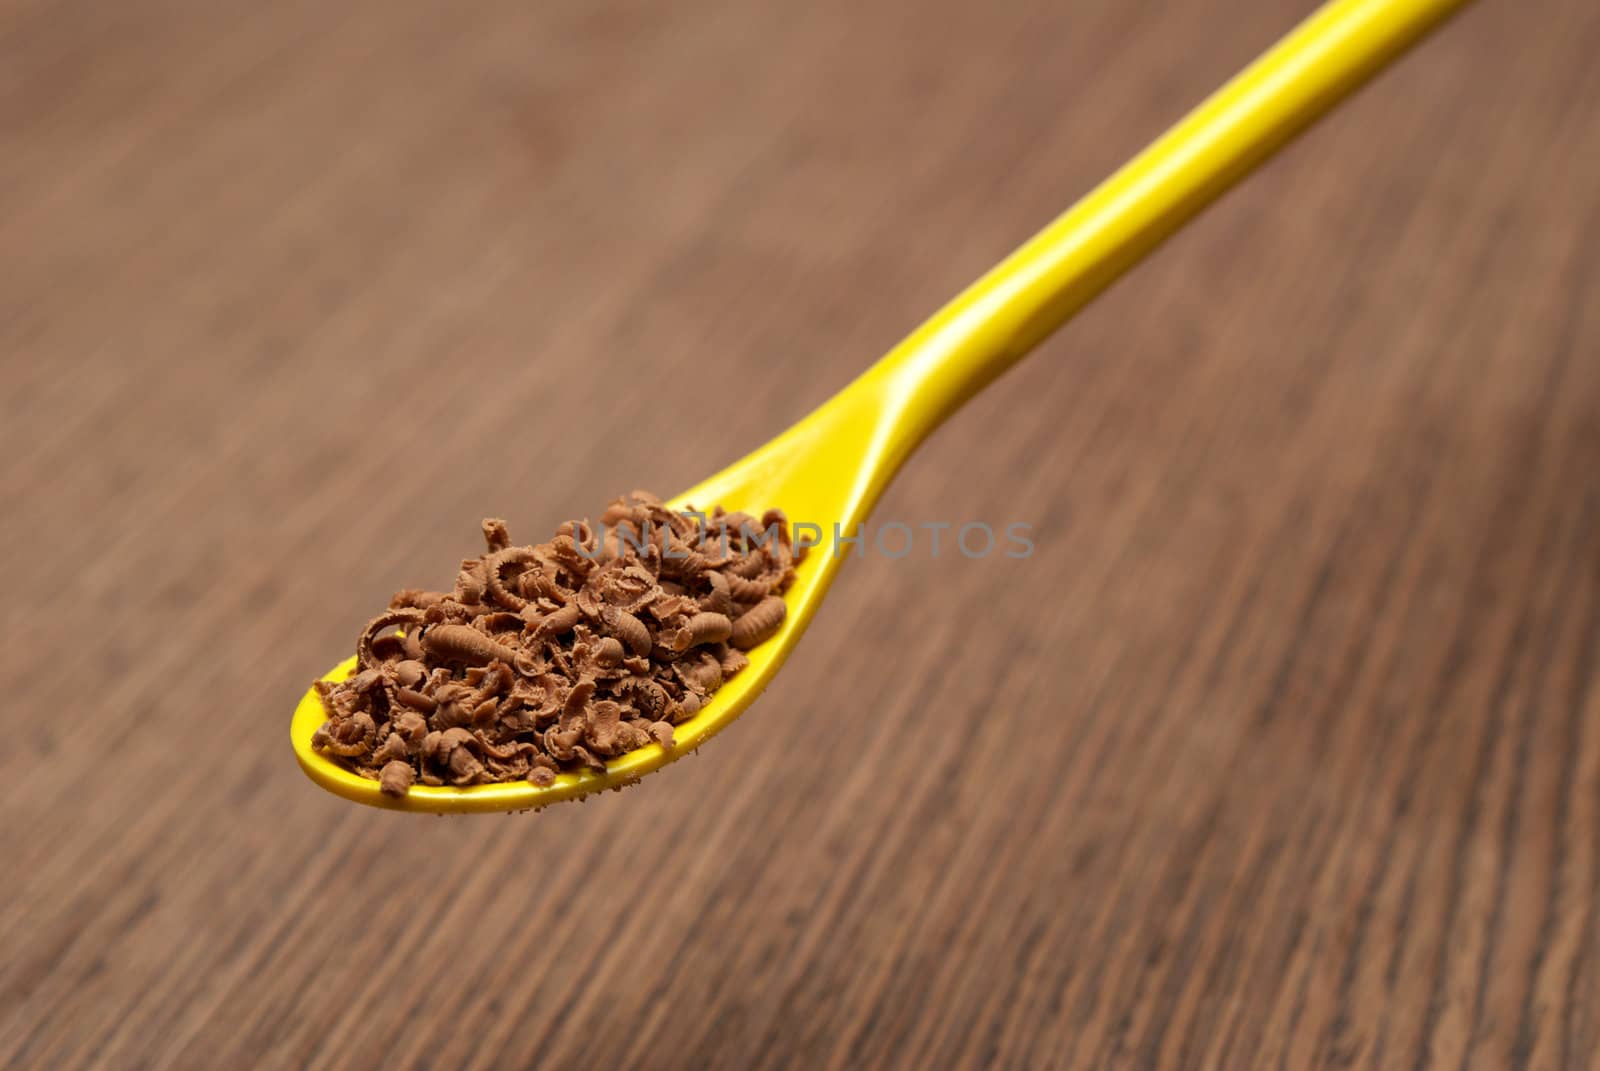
[830, 468]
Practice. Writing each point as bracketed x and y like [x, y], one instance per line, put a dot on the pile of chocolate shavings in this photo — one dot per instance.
[559, 656]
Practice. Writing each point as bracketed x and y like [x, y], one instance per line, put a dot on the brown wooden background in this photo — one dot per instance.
[1282, 751]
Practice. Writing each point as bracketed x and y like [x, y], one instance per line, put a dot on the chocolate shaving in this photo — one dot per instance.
[364, 646]
[396, 778]
[553, 658]
[627, 628]
[758, 623]
[460, 643]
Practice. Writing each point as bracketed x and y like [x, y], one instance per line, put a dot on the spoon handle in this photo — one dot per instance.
[1001, 317]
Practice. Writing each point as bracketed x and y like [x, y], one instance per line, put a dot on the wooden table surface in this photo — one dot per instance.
[1281, 750]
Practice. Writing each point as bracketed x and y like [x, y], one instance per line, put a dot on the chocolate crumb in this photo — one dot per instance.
[553, 658]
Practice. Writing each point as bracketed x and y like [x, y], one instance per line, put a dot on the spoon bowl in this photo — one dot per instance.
[770, 476]
[829, 470]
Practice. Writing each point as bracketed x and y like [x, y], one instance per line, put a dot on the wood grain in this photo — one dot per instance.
[1282, 750]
